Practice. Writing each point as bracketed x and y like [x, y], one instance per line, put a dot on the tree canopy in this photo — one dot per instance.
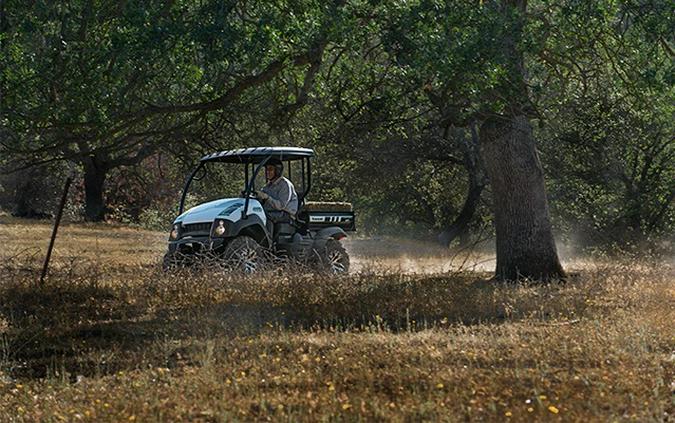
[393, 92]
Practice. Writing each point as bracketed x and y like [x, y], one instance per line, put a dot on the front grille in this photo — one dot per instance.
[196, 229]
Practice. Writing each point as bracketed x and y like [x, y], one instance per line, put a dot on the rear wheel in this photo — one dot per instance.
[244, 254]
[334, 258]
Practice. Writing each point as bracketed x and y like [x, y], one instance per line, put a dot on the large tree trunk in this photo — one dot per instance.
[95, 172]
[525, 244]
[27, 194]
[459, 228]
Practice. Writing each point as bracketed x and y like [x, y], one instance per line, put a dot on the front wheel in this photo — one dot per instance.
[333, 258]
[173, 261]
[244, 254]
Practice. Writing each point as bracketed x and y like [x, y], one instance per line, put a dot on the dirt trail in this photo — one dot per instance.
[382, 254]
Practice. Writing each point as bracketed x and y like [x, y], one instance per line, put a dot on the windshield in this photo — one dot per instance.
[226, 180]
[215, 181]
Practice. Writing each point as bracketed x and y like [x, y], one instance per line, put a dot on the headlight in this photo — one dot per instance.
[174, 232]
[219, 228]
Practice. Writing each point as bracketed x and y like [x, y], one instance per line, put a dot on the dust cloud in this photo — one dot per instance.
[399, 255]
[396, 255]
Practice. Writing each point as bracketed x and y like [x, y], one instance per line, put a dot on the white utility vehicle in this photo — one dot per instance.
[237, 230]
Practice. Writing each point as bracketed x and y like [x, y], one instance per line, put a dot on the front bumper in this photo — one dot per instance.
[196, 245]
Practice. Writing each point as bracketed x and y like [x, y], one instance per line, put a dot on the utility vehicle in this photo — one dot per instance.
[236, 230]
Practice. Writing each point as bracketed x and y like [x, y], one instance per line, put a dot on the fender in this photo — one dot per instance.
[325, 234]
[251, 222]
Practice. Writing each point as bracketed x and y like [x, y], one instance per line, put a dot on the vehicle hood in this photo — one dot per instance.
[208, 212]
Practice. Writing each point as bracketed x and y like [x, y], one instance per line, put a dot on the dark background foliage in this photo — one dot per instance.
[128, 95]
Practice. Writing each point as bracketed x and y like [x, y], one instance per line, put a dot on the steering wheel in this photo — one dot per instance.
[251, 195]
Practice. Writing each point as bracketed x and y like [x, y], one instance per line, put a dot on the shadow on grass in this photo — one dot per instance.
[80, 326]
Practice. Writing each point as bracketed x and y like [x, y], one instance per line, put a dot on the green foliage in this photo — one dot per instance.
[606, 131]
[386, 93]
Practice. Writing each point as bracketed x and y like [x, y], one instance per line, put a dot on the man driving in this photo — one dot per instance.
[279, 198]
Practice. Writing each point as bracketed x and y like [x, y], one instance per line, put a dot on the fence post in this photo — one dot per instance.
[55, 229]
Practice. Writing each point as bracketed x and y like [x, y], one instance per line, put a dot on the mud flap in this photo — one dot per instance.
[325, 234]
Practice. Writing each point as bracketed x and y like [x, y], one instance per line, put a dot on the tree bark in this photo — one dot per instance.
[95, 173]
[459, 228]
[525, 244]
[24, 197]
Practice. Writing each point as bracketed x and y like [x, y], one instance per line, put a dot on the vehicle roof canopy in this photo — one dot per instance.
[258, 154]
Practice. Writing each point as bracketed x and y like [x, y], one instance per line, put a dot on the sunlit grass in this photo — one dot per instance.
[112, 338]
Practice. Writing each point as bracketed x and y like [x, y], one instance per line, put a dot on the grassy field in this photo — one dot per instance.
[109, 337]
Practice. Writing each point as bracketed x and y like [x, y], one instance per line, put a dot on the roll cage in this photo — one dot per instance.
[255, 158]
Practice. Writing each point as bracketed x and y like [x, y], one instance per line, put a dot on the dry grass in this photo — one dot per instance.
[111, 338]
